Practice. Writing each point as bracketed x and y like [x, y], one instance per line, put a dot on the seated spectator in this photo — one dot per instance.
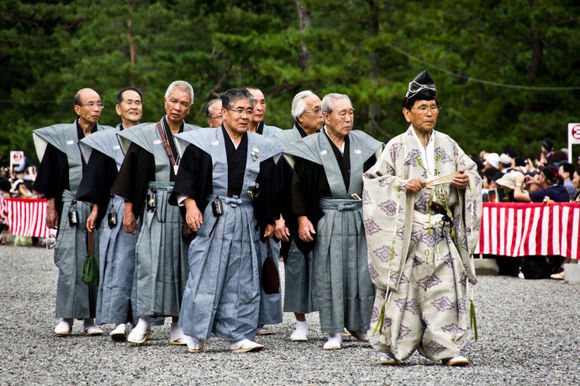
[505, 162]
[566, 170]
[491, 161]
[507, 185]
[550, 187]
[550, 184]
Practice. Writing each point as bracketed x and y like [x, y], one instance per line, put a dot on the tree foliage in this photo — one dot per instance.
[491, 60]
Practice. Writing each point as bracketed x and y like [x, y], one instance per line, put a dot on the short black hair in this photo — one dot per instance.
[511, 151]
[231, 96]
[568, 168]
[119, 97]
[489, 173]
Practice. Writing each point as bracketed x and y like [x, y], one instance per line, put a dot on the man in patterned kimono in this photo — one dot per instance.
[326, 190]
[270, 304]
[307, 113]
[227, 183]
[116, 247]
[59, 175]
[145, 182]
[422, 209]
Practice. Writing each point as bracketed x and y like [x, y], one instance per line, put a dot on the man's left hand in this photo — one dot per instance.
[461, 180]
[282, 232]
[269, 232]
[92, 219]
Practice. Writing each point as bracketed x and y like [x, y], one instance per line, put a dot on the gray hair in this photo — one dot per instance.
[298, 104]
[180, 85]
[330, 99]
[208, 107]
[231, 96]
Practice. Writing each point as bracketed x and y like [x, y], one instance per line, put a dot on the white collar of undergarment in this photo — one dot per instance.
[428, 153]
[341, 148]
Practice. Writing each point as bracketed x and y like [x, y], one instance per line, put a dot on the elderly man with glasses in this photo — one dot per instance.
[59, 175]
[228, 185]
[422, 210]
[213, 113]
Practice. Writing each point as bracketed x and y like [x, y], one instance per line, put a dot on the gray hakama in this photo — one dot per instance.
[222, 295]
[270, 304]
[116, 247]
[298, 266]
[343, 291]
[74, 299]
[161, 268]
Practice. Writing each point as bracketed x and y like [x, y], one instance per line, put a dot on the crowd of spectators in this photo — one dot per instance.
[508, 177]
[17, 183]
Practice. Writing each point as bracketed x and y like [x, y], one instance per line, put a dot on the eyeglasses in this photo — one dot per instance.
[215, 116]
[241, 110]
[424, 108]
[92, 105]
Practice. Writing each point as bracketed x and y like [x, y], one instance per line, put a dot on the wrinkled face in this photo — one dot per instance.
[215, 118]
[423, 115]
[311, 119]
[177, 105]
[576, 180]
[340, 121]
[131, 108]
[260, 107]
[237, 119]
[91, 106]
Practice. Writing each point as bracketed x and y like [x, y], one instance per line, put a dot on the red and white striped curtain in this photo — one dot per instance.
[24, 216]
[525, 229]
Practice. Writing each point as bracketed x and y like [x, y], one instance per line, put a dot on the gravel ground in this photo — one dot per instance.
[528, 334]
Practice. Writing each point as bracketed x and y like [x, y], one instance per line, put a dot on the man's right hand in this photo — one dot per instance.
[129, 221]
[415, 185]
[193, 217]
[51, 214]
[305, 229]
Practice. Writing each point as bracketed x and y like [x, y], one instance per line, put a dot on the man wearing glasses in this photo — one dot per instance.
[145, 182]
[326, 192]
[228, 185]
[117, 247]
[422, 210]
[59, 175]
[213, 112]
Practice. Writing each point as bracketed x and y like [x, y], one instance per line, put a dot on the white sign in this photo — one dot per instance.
[16, 159]
[573, 138]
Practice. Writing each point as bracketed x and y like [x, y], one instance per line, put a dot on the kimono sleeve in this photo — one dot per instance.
[387, 215]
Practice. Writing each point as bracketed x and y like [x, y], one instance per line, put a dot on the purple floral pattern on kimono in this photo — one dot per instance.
[443, 304]
[429, 282]
[390, 207]
[371, 226]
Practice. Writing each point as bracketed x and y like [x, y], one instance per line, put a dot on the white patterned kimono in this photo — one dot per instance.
[420, 266]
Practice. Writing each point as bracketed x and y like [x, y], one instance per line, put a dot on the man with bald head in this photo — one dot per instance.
[59, 175]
